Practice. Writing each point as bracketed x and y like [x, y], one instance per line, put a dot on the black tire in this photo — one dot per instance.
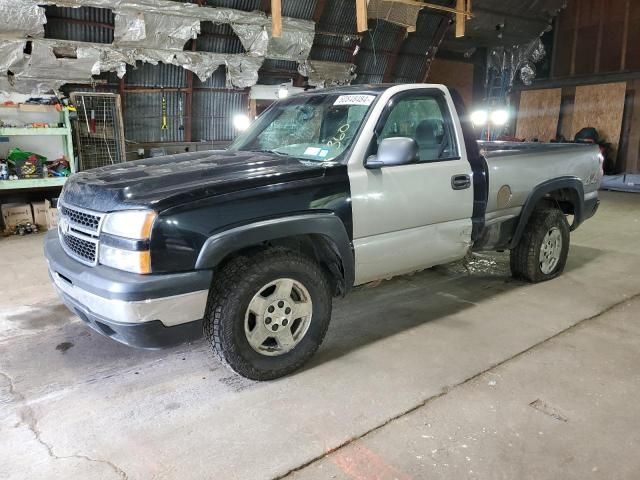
[525, 258]
[231, 292]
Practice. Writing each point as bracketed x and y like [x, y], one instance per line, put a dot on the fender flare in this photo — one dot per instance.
[330, 226]
[567, 183]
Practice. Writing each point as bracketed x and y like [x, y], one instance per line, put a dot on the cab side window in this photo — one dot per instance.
[424, 118]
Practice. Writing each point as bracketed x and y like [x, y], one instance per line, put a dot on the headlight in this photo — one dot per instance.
[120, 244]
[134, 224]
[128, 260]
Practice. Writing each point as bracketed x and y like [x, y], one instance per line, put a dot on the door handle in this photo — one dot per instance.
[460, 182]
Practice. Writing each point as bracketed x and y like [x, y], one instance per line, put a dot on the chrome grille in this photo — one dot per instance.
[82, 248]
[79, 232]
[82, 218]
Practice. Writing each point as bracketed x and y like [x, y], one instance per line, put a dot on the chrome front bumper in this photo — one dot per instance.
[149, 311]
[173, 310]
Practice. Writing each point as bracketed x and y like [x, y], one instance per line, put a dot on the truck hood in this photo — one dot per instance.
[163, 182]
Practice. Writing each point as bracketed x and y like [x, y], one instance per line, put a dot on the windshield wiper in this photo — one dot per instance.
[274, 152]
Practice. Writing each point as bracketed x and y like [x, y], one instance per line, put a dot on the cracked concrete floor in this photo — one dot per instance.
[416, 367]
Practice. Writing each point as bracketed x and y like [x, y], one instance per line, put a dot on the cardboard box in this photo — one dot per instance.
[14, 214]
[39, 214]
[51, 207]
[26, 107]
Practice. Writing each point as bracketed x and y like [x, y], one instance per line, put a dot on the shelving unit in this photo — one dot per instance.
[63, 132]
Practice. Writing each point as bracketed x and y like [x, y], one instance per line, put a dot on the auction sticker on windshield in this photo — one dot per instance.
[355, 100]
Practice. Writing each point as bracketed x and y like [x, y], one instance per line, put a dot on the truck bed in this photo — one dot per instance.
[520, 167]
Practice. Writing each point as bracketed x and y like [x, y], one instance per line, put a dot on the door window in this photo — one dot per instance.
[425, 118]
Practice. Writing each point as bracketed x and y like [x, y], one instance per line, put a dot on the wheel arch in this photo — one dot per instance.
[321, 236]
[565, 192]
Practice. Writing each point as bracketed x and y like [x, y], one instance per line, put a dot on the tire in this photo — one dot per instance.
[528, 257]
[240, 285]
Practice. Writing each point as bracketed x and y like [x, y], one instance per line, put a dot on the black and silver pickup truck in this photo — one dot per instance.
[325, 191]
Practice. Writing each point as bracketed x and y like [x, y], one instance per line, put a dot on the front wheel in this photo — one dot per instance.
[542, 251]
[268, 313]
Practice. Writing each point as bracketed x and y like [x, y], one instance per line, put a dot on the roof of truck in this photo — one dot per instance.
[374, 88]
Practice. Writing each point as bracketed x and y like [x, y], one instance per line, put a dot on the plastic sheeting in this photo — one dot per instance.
[294, 44]
[21, 18]
[43, 64]
[519, 59]
[30, 86]
[326, 74]
[97, 58]
[621, 183]
[152, 30]
[163, 7]
[155, 31]
[11, 54]
[41, 71]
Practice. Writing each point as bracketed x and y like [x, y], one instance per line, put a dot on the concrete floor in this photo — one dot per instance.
[456, 372]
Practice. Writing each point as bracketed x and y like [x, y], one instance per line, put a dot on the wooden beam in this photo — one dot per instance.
[625, 36]
[574, 42]
[276, 18]
[601, 7]
[460, 18]
[361, 16]
[433, 6]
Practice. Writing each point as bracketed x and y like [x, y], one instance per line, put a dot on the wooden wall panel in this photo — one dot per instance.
[458, 75]
[538, 114]
[601, 107]
[597, 36]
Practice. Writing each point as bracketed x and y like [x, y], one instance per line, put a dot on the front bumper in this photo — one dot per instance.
[147, 311]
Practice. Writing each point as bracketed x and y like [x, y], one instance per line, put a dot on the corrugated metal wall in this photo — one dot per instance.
[411, 62]
[65, 23]
[213, 106]
[212, 112]
[143, 117]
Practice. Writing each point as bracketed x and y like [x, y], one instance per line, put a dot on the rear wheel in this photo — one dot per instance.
[542, 251]
[268, 313]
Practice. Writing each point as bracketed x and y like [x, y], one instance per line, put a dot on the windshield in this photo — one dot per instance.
[312, 127]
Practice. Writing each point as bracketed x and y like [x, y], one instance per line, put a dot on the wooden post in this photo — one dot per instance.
[361, 15]
[574, 42]
[276, 18]
[625, 36]
[461, 18]
[602, 5]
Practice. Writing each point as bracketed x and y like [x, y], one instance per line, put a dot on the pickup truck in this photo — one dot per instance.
[325, 191]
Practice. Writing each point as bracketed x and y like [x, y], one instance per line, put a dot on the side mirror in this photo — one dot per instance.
[394, 151]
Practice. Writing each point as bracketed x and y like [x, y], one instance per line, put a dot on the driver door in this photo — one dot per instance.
[413, 216]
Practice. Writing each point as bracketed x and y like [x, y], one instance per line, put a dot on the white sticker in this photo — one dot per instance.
[323, 153]
[312, 151]
[355, 100]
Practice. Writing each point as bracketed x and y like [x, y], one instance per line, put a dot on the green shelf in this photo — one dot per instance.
[67, 147]
[12, 132]
[32, 183]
